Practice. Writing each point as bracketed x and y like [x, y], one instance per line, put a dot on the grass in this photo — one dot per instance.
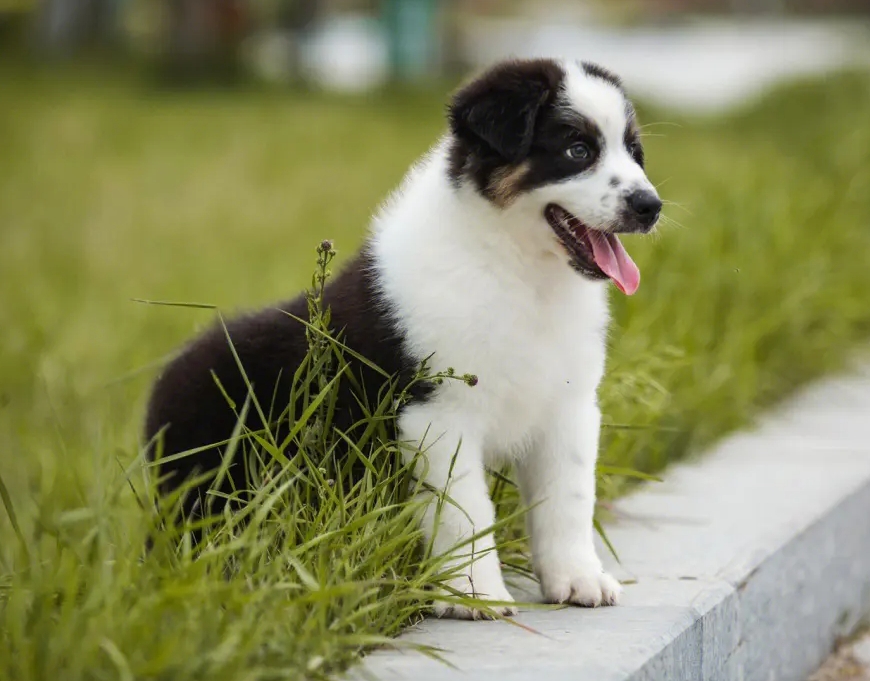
[110, 192]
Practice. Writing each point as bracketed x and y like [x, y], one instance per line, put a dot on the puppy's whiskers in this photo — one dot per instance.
[668, 221]
[654, 123]
[676, 204]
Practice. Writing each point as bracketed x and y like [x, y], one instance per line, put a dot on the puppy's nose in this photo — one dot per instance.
[645, 205]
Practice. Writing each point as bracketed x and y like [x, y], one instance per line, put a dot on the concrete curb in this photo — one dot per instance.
[745, 565]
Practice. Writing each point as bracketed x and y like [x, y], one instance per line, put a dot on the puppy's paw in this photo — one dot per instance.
[588, 586]
[495, 601]
[465, 612]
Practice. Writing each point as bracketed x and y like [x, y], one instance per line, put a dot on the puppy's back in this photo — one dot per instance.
[189, 407]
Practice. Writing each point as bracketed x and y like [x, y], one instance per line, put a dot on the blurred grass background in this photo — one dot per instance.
[112, 190]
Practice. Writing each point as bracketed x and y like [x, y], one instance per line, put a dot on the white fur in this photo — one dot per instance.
[490, 292]
[589, 196]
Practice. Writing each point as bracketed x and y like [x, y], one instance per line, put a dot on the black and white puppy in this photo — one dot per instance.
[493, 255]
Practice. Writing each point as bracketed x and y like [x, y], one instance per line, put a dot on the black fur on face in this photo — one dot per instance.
[596, 71]
[513, 133]
[632, 140]
[565, 144]
[493, 121]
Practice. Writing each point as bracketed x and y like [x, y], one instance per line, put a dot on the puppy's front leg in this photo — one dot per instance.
[453, 464]
[558, 480]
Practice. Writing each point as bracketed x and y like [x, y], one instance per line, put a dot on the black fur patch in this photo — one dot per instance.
[493, 118]
[510, 134]
[188, 403]
[558, 130]
[596, 71]
[632, 141]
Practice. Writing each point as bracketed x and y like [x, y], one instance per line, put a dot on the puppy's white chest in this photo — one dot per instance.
[528, 360]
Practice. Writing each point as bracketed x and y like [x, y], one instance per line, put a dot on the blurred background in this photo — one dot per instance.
[684, 49]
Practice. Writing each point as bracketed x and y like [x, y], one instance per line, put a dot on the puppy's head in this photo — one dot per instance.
[559, 141]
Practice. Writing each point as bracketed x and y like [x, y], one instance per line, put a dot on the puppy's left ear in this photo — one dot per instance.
[500, 107]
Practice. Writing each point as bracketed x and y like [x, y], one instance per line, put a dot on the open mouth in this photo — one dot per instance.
[596, 254]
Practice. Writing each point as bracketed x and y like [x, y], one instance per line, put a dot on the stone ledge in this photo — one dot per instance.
[744, 565]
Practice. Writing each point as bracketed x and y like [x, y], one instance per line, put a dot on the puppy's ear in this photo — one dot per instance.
[500, 107]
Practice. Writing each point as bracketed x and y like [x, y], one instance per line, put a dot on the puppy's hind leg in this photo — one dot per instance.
[458, 507]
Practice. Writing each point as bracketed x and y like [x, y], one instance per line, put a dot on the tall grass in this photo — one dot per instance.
[324, 535]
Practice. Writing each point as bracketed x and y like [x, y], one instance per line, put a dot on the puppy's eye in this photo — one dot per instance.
[579, 151]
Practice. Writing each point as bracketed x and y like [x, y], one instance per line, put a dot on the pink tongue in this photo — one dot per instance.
[613, 260]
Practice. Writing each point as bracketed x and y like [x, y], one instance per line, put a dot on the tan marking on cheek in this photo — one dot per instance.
[504, 185]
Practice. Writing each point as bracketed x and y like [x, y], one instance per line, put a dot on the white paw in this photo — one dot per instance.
[495, 600]
[589, 587]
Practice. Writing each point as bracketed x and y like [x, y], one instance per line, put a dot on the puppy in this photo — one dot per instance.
[492, 257]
